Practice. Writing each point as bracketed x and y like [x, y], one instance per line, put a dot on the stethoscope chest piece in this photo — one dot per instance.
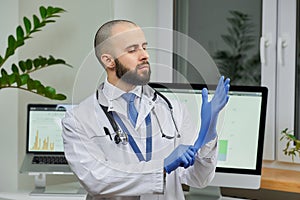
[121, 137]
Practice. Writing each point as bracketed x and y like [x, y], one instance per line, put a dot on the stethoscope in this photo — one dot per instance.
[121, 136]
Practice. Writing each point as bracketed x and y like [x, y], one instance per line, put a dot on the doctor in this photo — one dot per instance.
[123, 142]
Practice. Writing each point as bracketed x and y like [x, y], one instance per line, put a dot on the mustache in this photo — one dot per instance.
[143, 63]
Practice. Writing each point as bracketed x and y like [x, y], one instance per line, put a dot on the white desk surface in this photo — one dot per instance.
[27, 196]
[66, 191]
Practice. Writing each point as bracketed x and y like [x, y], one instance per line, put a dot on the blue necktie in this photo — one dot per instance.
[131, 110]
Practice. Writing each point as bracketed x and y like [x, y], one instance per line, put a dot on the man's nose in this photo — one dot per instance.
[143, 54]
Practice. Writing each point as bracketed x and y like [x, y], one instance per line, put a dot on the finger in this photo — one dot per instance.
[194, 149]
[227, 81]
[184, 162]
[227, 87]
[227, 99]
[189, 159]
[204, 95]
[220, 84]
[192, 153]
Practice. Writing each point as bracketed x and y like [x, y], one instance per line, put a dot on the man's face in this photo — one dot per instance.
[130, 55]
[133, 76]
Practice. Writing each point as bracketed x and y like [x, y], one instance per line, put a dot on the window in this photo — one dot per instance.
[230, 33]
[253, 43]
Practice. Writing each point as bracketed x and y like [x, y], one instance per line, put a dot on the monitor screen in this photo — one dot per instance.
[44, 128]
[240, 130]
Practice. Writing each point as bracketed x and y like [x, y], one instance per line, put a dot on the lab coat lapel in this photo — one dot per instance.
[146, 105]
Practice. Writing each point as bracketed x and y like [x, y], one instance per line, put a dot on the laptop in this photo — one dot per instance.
[44, 143]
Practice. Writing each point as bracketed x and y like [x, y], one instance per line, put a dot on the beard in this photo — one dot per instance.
[132, 76]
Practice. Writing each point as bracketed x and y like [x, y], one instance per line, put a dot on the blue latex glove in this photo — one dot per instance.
[210, 111]
[182, 156]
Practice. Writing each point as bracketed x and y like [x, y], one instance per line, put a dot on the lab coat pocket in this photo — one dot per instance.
[163, 147]
[104, 144]
[112, 151]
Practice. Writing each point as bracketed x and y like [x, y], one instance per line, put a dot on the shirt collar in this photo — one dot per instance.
[112, 92]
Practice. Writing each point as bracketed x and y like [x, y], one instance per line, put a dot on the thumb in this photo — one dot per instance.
[204, 95]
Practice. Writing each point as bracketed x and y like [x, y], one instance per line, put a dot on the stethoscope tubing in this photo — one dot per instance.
[121, 136]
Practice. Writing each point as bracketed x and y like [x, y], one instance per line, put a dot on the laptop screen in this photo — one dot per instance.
[44, 129]
[240, 124]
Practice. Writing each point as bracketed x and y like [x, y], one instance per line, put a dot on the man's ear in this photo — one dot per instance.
[108, 60]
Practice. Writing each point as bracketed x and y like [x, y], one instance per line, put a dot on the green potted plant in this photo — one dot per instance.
[19, 75]
[290, 150]
[235, 61]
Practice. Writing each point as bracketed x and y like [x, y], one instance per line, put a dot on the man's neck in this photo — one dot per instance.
[121, 84]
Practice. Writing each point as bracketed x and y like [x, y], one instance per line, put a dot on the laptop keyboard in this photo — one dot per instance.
[49, 160]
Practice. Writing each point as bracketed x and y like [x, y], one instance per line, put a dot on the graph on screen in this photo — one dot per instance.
[46, 131]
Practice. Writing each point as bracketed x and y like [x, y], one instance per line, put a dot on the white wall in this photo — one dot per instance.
[8, 104]
[156, 19]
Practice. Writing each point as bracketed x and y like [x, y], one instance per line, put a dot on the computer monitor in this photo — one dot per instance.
[241, 126]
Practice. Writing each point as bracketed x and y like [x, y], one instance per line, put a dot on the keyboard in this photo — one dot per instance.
[49, 160]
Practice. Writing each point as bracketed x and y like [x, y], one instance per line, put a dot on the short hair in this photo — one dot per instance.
[103, 33]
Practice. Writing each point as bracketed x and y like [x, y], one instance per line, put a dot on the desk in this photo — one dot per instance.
[65, 191]
[280, 180]
[27, 196]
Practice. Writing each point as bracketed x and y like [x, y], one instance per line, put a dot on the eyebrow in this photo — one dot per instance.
[136, 45]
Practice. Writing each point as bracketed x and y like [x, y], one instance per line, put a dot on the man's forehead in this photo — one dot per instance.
[127, 35]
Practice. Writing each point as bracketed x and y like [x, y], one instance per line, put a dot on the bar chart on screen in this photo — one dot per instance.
[46, 131]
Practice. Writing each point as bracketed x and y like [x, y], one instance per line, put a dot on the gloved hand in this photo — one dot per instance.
[210, 111]
[182, 156]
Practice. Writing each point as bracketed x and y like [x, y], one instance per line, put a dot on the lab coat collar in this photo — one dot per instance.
[109, 96]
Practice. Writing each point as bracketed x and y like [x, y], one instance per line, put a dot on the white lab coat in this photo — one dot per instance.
[112, 171]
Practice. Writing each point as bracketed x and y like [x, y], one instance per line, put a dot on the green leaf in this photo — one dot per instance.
[60, 97]
[58, 10]
[22, 65]
[11, 42]
[50, 92]
[19, 43]
[27, 25]
[24, 78]
[36, 22]
[1, 60]
[49, 21]
[43, 12]
[18, 80]
[40, 89]
[30, 85]
[33, 84]
[37, 63]
[3, 72]
[51, 11]
[297, 144]
[28, 64]
[5, 77]
[14, 68]
[2, 83]
[20, 33]
[12, 78]
[43, 61]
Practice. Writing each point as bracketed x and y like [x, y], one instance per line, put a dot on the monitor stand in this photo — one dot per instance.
[207, 193]
[71, 189]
